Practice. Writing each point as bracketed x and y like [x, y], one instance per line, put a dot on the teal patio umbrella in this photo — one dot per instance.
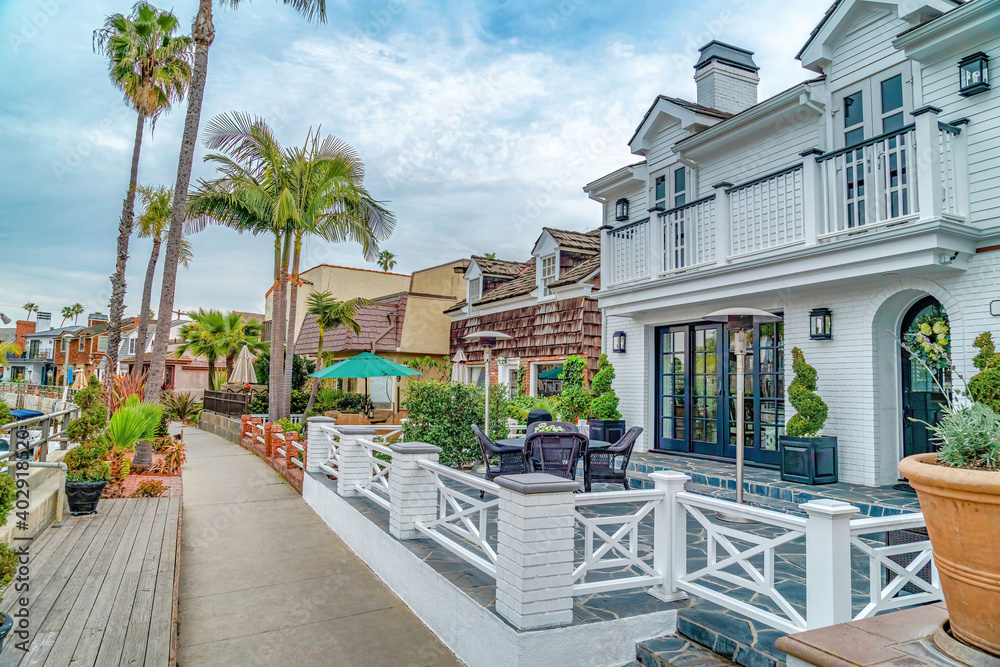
[364, 365]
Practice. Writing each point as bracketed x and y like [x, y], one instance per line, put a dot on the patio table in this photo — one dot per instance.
[518, 443]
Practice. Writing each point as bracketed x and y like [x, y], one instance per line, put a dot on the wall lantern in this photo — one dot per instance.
[621, 209]
[618, 341]
[974, 74]
[821, 324]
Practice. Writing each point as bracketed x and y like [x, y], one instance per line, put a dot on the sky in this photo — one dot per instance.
[479, 123]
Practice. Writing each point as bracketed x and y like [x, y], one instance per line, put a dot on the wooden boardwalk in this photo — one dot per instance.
[102, 588]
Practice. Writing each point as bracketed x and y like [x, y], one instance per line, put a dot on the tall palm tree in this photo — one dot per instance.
[31, 308]
[152, 223]
[386, 260]
[315, 189]
[67, 312]
[331, 314]
[201, 338]
[237, 332]
[151, 65]
[77, 312]
[203, 32]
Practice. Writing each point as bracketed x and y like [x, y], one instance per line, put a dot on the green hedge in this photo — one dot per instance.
[258, 404]
[442, 413]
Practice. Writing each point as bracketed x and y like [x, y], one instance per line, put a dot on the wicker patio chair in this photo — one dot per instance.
[511, 461]
[555, 453]
[611, 464]
[538, 416]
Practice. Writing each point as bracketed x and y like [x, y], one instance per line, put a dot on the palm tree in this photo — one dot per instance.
[67, 312]
[386, 260]
[151, 65]
[152, 223]
[31, 308]
[237, 332]
[77, 310]
[315, 189]
[331, 314]
[201, 338]
[203, 33]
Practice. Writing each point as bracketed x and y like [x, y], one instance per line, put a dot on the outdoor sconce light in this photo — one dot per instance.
[621, 210]
[821, 324]
[618, 341]
[974, 74]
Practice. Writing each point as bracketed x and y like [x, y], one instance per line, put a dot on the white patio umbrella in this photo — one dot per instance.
[243, 372]
[457, 369]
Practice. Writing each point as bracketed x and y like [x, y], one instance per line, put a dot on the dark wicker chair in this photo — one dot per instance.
[511, 461]
[611, 464]
[555, 453]
[538, 416]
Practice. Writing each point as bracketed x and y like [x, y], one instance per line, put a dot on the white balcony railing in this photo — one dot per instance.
[916, 173]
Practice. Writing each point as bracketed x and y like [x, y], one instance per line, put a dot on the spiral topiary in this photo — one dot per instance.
[605, 403]
[810, 410]
[984, 387]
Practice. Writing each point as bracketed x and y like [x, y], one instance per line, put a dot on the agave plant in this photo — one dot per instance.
[135, 420]
[181, 406]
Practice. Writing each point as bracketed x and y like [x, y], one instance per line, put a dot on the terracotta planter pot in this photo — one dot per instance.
[962, 510]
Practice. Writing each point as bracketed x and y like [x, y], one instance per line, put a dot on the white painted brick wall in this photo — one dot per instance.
[726, 88]
[633, 373]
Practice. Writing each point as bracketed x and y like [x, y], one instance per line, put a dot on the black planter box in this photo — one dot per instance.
[608, 430]
[809, 460]
[83, 496]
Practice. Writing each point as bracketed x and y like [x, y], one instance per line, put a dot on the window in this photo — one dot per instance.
[547, 382]
[875, 106]
[102, 344]
[854, 118]
[82, 345]
[660, 192]
[548, 273]
[477, 375]
[131, 345]
[680, 186]
[475, 289]
[892, 103]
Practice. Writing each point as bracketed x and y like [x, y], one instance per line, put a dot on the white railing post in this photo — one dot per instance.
[723, 224]
[413, 494]
[812, 196]
[828, 562]
[960, 170]
[318, 450]
[928, 163]
[353, 466]
[669, 535]
[535, 554]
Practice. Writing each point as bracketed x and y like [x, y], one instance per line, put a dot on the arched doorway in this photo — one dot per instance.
[923, 398]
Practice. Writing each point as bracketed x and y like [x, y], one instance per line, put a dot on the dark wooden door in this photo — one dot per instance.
[923, 399]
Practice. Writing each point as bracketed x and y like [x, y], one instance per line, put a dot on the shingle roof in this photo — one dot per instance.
[8, 333]
[590, 241]
[523, 284]
[55, 332]
[691, 106]
[373, 320]
[258, 317]
[579, 272]
[499, 267]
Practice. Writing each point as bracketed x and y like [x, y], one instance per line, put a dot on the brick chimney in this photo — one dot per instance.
[727, 77]
[22, 329]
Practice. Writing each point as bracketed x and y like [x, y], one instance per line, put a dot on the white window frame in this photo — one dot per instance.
[533, 374]
[131, 345]
[475, 290]
[871, 92]
[507, 372]
[674, 192]
[82, 346]
[102, 344]
[545, 280]
[468, 372]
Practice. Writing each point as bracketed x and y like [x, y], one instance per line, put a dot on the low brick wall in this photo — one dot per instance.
[221, 425]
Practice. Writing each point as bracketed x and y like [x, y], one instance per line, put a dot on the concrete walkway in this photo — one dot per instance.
[265, 582]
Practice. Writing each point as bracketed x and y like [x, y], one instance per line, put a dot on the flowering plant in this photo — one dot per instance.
[929, 339]
[549, 428]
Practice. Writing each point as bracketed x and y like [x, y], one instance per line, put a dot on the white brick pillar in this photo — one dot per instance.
[318, 449]
[413, 495]
[828, 562]
[669, 535]
[723, 223]
[535, 550]
[353, 465]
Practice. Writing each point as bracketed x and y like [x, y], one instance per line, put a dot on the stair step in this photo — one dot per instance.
[730, 635]
[679, 651]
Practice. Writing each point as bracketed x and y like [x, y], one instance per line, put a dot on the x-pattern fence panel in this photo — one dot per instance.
[748, 552]
[332, 464]
[466, 523]
[905, 585]
[376, 488]
[611, 541]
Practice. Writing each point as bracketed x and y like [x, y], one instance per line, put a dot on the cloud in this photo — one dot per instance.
[479, 123]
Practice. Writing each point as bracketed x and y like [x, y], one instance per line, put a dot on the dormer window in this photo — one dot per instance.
[547, 273]
[475, 289]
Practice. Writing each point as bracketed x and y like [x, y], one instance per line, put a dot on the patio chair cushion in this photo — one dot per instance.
[381, 416]
[351, 419]
[332, 413]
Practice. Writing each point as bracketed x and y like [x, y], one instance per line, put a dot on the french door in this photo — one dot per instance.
[696, 389]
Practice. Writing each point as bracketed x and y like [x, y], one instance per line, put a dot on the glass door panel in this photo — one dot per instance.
[673, 389]
[706, 390]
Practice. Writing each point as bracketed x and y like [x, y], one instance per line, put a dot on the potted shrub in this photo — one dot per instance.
[806, 456]
[87, 473]
[605, 421]
[959, 492]
[8, 557]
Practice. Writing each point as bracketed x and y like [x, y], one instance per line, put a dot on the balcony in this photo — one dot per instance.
[40, 355]
[915, 174]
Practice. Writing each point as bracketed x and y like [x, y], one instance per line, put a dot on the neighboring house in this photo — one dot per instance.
[85, 348]
[546, 305]
[187, 374]
[402, 326]
[343, 282]
[38, 341]
[869, 191]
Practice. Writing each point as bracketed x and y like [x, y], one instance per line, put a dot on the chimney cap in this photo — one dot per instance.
[728, 54]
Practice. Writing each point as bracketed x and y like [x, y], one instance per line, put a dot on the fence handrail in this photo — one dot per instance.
[779, 519]
[41, 443]
[477, 483]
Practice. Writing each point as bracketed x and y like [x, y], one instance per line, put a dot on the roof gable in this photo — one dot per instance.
[841, 17]
[667, 110]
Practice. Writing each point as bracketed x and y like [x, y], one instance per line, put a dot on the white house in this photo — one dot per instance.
[870, 190]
